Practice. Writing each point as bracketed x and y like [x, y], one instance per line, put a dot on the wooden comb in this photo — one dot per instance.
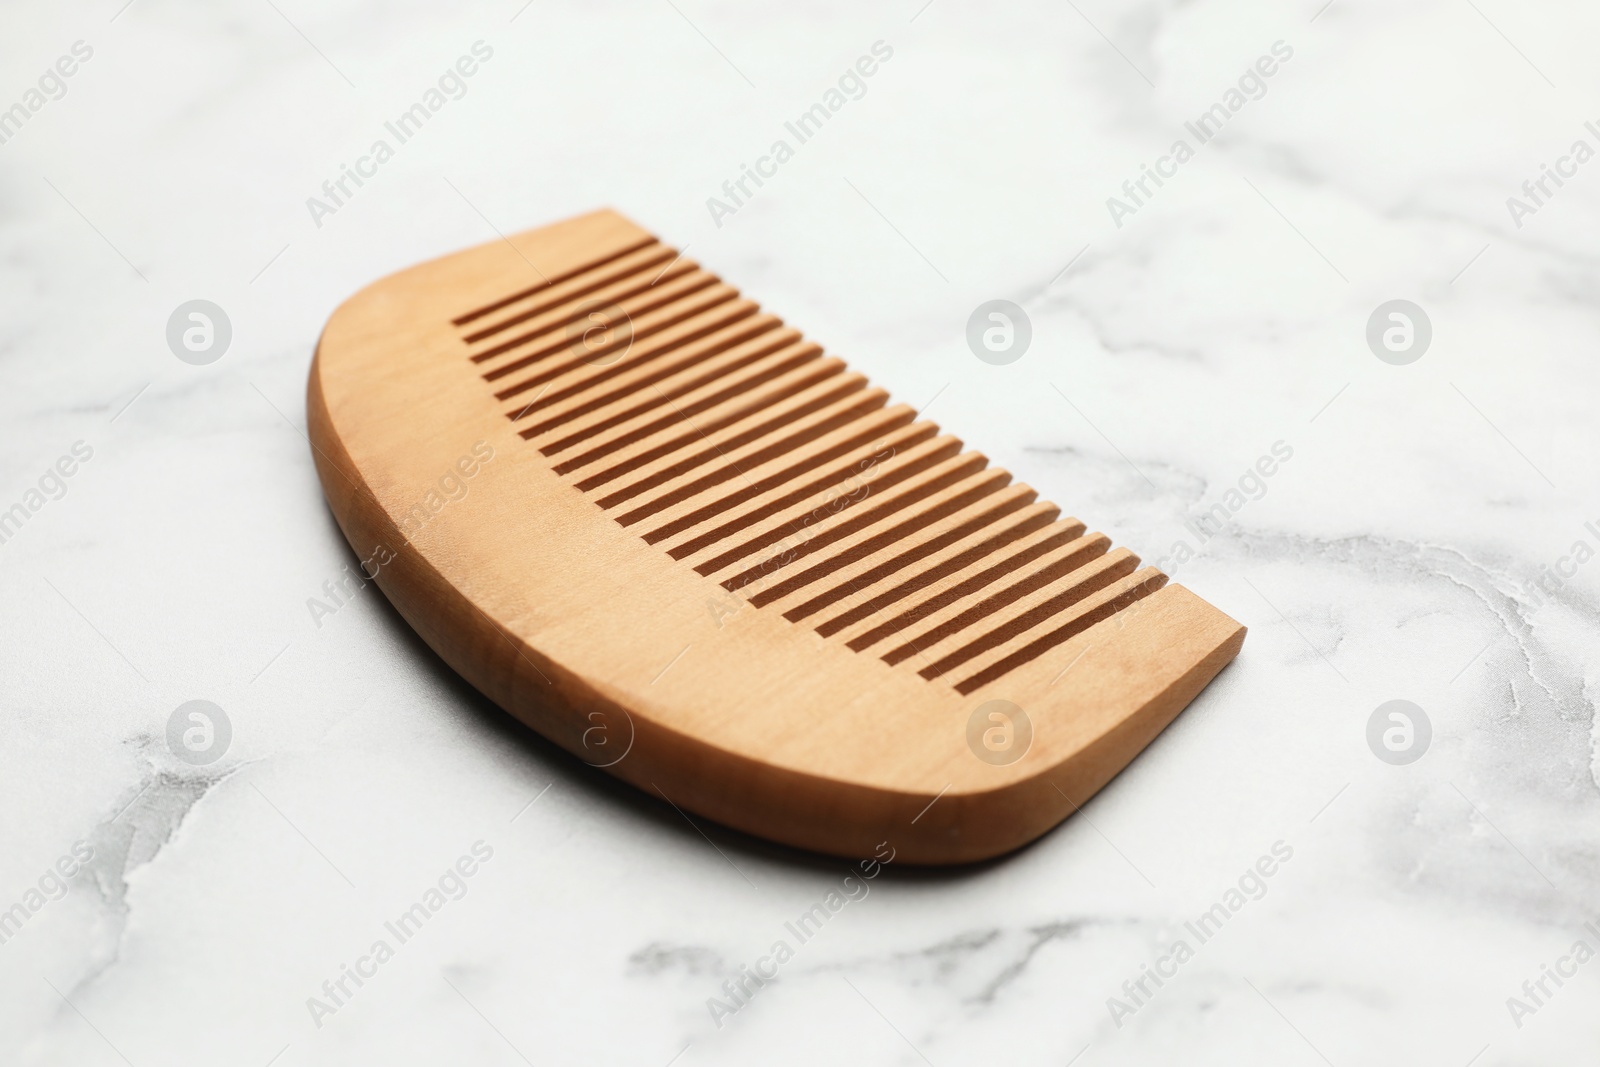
[666, 531]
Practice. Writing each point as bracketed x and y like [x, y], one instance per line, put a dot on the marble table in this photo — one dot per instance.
[1290, 874]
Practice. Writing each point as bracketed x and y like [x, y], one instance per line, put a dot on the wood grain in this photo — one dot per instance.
[669, 533]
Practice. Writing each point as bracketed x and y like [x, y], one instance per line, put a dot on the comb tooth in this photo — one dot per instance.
[560, 304]
[820, 532]
[750, 467]
[882, 568]
[694, 315]
[755, 446]
[832, 461]
[870, 606]
[1063, 569]
[551, 334]
[803, 513]
[1024, 647]
[958, 640]
[738, 449]
[761, 448]
[748, 437]
[887, 530]
[822, 397]
[552, 282]
[973, 580]
[680, 380]
[783, 373]
[706, 424]
[781, 518]
[728, 326]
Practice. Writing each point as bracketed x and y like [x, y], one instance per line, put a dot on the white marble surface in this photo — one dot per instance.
[1388, 559]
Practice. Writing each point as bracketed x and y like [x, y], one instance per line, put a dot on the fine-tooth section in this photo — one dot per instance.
[739, 450]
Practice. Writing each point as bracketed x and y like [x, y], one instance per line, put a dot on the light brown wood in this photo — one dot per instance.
[676, 538]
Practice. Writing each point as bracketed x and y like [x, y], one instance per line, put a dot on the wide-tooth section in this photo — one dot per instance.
[739, 450]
